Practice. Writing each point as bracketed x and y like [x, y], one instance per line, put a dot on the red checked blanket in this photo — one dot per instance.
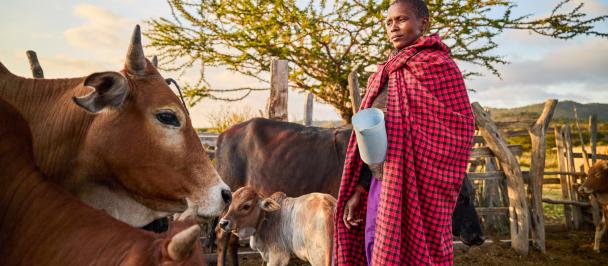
[430, 129]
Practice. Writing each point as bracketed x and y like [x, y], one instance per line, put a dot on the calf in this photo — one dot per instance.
[280, 226]
[596, 184]
[42, 224]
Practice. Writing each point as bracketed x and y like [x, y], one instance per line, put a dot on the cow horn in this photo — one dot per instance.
[136, 61]
[183, 242]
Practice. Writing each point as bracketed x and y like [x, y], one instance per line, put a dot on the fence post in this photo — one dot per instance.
[538, 136]
[34, 64]
[518, 205]
[277, 101]
[308, 109]
[563, 179]
[593, 137]
[353, 88]
[576, 211]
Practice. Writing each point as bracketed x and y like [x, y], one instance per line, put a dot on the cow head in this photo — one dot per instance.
[141, 142]
[597, 179]
[465, 221]
[247, 212]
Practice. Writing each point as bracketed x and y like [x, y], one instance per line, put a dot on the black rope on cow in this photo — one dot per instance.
[181, 96]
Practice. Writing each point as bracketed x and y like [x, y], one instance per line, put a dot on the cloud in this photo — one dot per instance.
[103, 32]
[576, 71]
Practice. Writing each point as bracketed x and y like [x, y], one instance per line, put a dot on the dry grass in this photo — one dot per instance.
[228, 117]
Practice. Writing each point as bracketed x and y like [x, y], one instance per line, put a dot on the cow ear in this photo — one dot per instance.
[269, 205]
[183, 243]
[111, 89]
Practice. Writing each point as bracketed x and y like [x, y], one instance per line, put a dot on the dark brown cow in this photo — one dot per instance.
[120, 141]
[42, 224]
[597, 184]
[272, 156]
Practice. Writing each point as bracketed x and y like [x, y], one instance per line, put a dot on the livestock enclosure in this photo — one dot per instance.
[505, 193]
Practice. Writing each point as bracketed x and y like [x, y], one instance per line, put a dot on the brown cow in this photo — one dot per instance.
[597, 184]
[42, 224]
[280, 226]
[127, 146]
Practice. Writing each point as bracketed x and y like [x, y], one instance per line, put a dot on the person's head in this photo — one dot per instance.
[406, 21]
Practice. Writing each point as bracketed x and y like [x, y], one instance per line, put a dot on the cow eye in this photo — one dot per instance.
[246, 207]
[168, 118]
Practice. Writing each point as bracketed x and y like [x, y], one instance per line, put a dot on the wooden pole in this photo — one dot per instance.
[353, 89]
[277, 101]
[561, 163]
[155, 61]
[593, 137]
[308, 109]
[518, 205]
[34, 64]
[538, 136]
[490, 193]
[580, 135]
[576, 211]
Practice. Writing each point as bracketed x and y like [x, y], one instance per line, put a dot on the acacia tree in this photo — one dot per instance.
[325, 40]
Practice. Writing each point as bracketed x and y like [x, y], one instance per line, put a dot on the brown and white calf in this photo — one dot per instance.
[596, 184]
[280, 226]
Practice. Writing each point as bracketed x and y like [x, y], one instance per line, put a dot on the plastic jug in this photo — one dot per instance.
[371, 135]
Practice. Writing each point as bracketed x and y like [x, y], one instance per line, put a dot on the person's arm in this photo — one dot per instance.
[365, 178]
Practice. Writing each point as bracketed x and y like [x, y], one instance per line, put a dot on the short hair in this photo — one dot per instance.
[420, 8]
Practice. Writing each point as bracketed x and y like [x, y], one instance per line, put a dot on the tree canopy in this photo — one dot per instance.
[325, 40]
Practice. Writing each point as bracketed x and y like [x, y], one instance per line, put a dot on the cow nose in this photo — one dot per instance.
[226, 196]
[224, 224]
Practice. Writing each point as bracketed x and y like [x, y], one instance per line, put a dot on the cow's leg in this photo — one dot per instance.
[600, 229]
[233, 249]
[222, 238]
[278, 258]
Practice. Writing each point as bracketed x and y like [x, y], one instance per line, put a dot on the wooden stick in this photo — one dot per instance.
[568, 202]
[538, 137]
[593, 137]
[580, 135]
[576, 211]
[308, 109]
[353, 89]
[518, 205]
[34, 64]
[561, 163]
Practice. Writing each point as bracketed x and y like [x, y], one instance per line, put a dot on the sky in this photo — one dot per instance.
[76, 38]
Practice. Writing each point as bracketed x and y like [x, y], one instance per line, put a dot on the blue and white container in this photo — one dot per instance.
[371, 135]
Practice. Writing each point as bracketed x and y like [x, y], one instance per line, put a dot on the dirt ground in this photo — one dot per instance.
[563, 249]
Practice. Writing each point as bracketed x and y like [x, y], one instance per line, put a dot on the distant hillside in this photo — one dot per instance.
[563, 112]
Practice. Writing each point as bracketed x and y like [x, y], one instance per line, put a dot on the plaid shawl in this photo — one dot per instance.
[430, 129]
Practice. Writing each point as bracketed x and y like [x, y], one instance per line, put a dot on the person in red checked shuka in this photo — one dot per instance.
[430, 128]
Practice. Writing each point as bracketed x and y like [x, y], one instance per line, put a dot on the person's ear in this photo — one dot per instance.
[425, 25]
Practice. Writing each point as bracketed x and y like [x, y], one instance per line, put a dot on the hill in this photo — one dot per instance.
[563, 112]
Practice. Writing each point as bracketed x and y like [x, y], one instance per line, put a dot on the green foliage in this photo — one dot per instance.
[325, 40]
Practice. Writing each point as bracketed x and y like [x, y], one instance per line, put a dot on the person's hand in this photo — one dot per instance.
[351, 210]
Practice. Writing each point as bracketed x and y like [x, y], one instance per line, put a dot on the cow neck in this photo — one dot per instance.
[47, 106]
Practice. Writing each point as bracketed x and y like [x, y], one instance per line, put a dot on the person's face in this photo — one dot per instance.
[403, 26]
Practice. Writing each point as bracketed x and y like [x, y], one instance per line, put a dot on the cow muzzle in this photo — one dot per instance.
[214, 201]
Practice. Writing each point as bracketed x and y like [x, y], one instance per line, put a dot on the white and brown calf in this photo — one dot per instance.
[597, 184]
[280, 226]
